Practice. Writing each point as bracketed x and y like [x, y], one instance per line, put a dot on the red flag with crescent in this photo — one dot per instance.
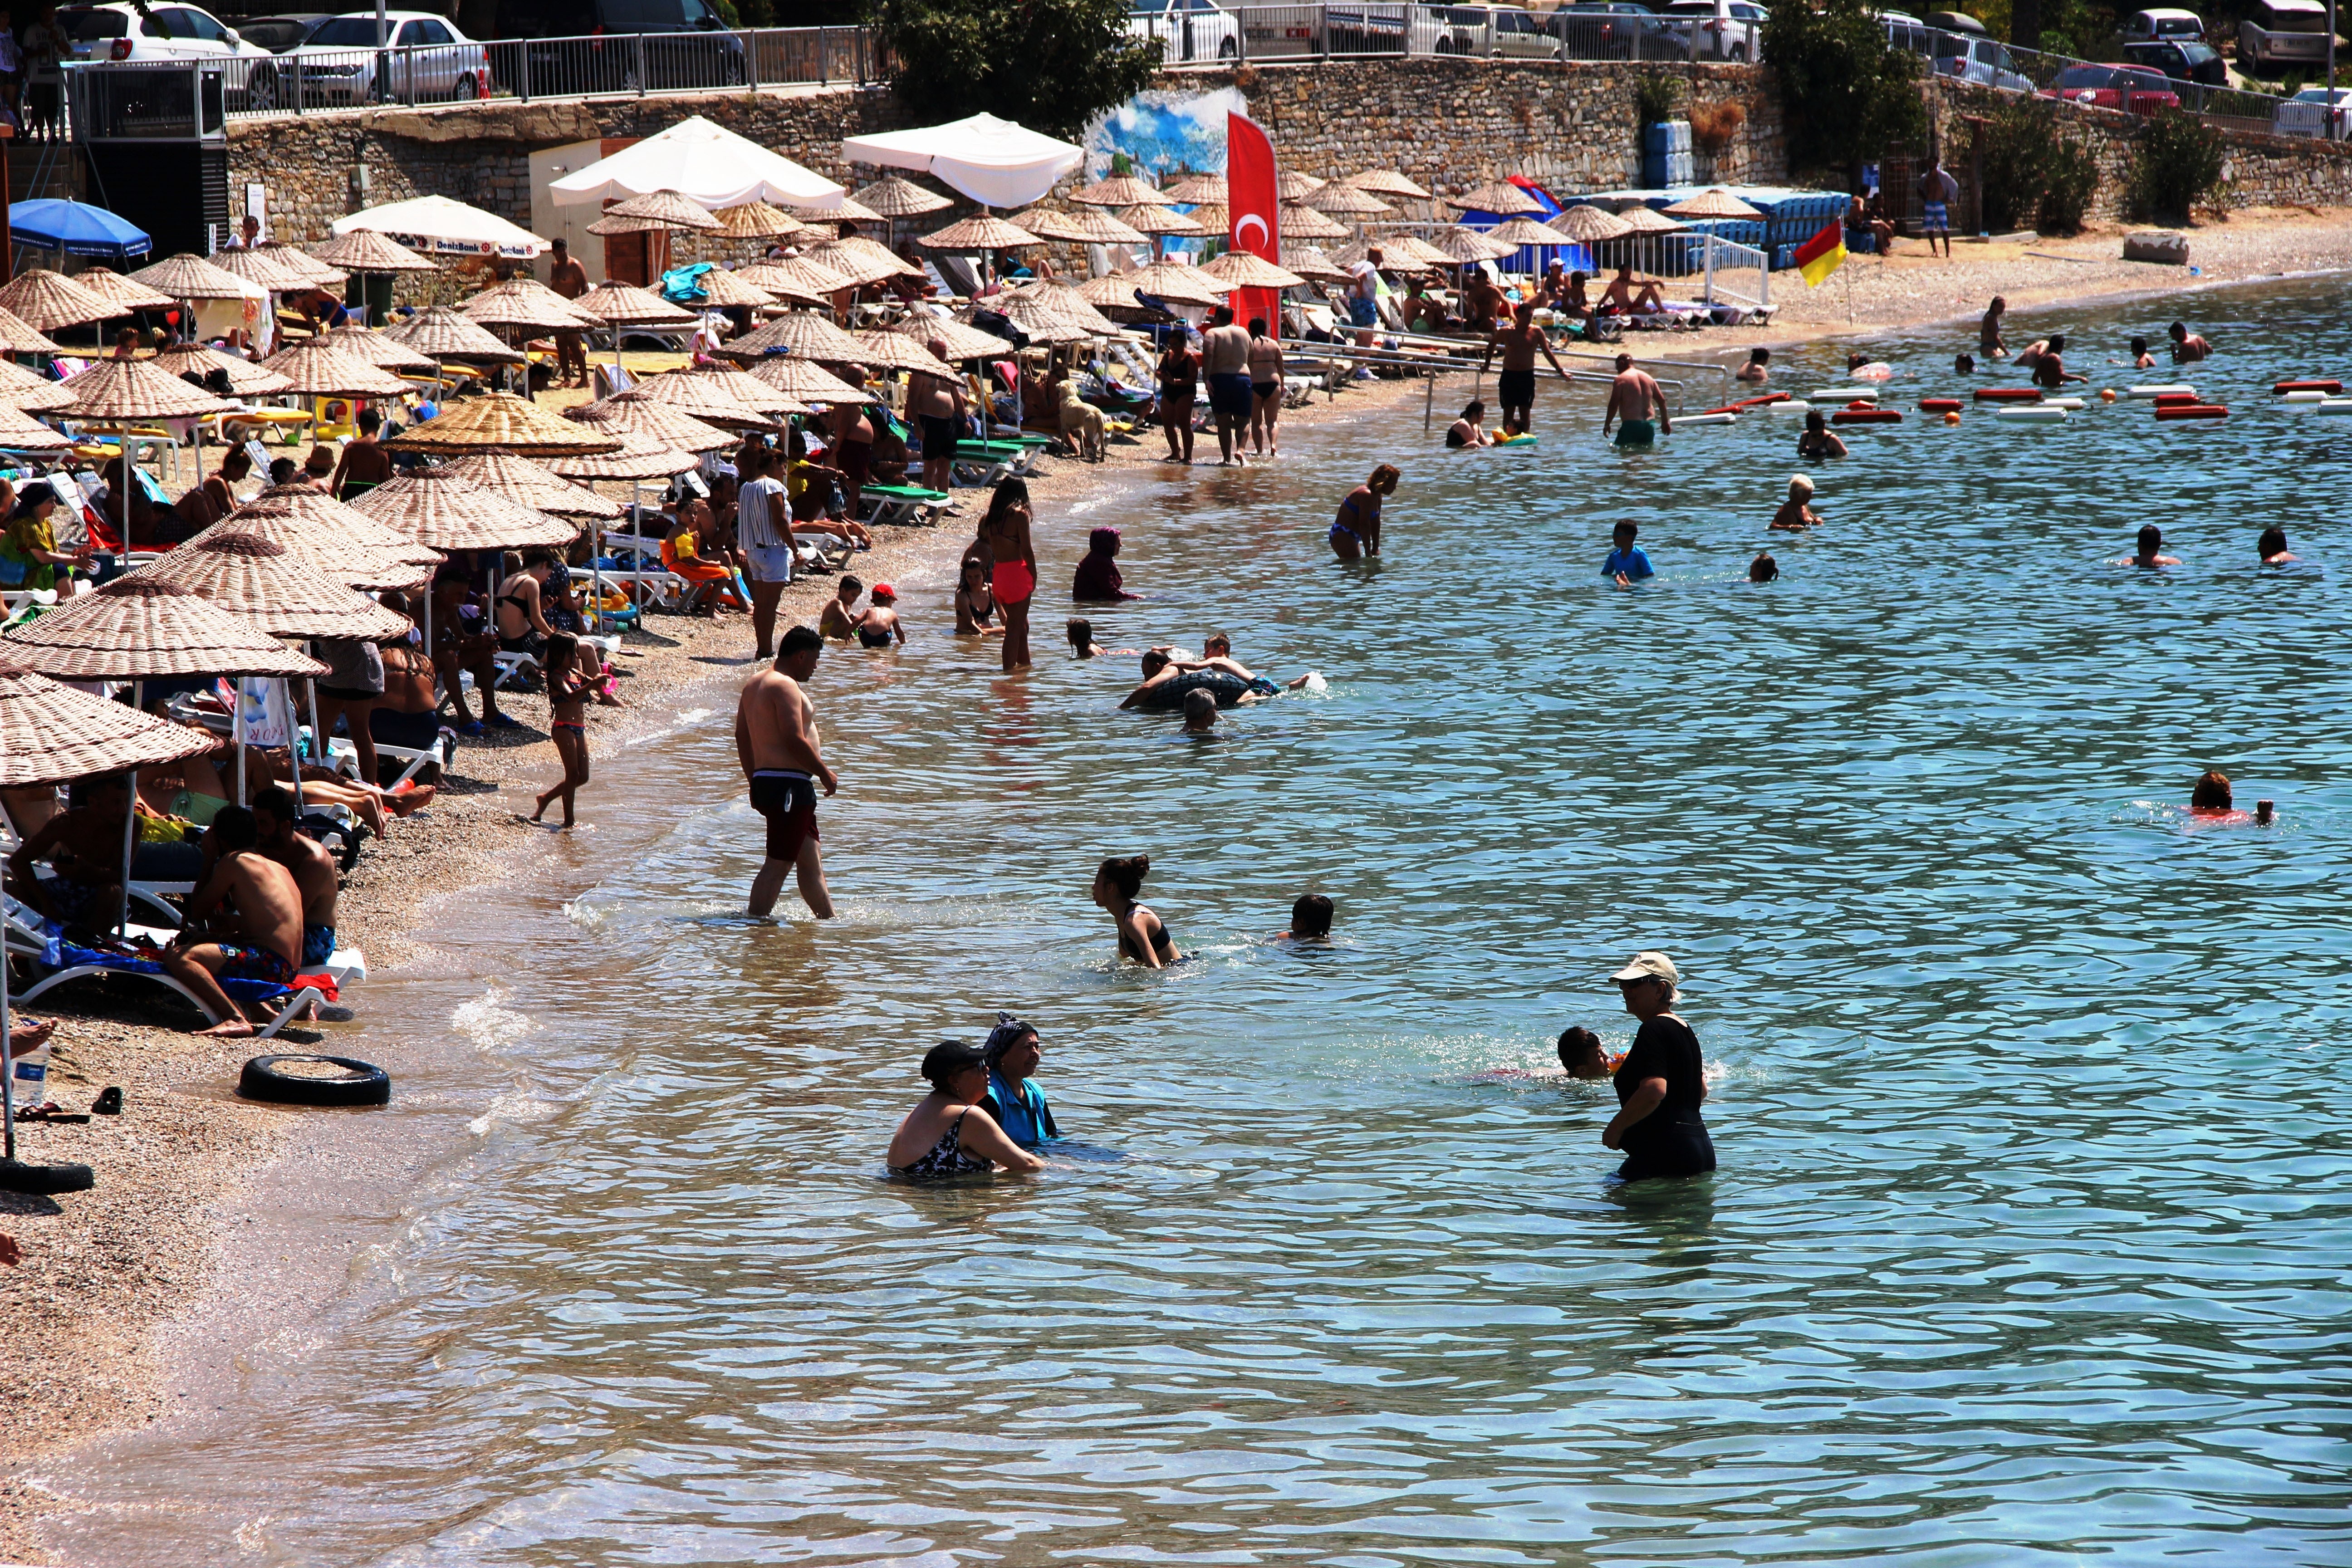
[1251, 208]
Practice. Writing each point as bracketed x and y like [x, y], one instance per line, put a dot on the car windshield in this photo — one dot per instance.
[350, 33]
[2142, 82]
[2085, 76]
[81, 27]
[2279, 19]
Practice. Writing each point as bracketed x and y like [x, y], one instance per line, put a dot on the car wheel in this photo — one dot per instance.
[1739, 53]
[1227, 51]
[468, 87]
[261, 91]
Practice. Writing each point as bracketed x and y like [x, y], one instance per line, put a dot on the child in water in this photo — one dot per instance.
[835, 620]
[1310, 919]
[2141, 358]
[1581, 1055]
[1141, 935]
[1200, 712]
[567, 700]
[1796, 513]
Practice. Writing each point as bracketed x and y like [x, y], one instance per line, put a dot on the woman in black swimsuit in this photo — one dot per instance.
[1180, 382]
[1661, 1082]
[1141, 936]
[947, 1134]
[975, 605]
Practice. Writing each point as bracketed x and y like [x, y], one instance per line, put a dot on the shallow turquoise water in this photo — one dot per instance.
[2029, 1241]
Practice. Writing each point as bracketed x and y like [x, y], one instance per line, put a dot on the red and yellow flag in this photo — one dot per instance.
[1821, 255]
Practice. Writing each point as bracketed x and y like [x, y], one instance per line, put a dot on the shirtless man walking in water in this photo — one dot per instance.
[776, 742]
[1516, 389]
[1634, 396]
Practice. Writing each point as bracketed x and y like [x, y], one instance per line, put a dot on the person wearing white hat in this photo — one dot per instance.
[1661, 1081]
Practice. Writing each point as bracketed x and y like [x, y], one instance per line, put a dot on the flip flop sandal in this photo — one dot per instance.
[107, 1103]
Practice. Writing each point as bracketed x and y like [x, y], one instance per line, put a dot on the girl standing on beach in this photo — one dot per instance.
[1013, 572]
[567, 700]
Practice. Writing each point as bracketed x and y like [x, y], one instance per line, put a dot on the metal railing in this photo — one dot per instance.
[1321, 30]
[2004, 67]
[309, 80]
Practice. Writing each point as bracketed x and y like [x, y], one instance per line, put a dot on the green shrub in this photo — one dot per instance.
[2176, 165]
[1846, 94]
[2035, 172]
[1655, 96]
[1051, 65]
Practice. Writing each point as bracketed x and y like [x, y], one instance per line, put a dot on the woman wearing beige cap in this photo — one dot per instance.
[1661, 1083]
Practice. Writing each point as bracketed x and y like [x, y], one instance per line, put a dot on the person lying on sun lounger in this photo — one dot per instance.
[1627, 299]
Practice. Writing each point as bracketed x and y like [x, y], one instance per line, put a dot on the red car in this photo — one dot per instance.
[2132, 87]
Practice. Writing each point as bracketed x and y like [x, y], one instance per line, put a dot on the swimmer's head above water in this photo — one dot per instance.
[2210, 791]
[1965, 364]
[1581, 1053]
[1200, 711]
[1763, 569]
[1310, 918]
[1082, 637]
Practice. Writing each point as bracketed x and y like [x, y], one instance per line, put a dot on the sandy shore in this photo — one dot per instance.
[104, 1271]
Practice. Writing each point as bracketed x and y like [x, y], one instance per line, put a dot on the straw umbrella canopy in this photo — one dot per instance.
[498, 422]
[134, 630]
[1195, 189]
[450, 512]
[1162, 281]
[698, 399]
[246, 378]
[116, 391]
[528, 303]
[1040, 322]
[443, 331]
[1244, 270]
[656, 210]
[533, 485]
[758, 220]
[19, 336]
[384, 352]
[1500, 198]
[347, 560]
[983, 231]
[301, 264]
[186, 277]
[722, 291]
[796, 277]
[1413, 250]
[859, 259]
[625, 305]
[1063, 300]
[1090, 226]
[1388, 182]
[1306, 222]
[262, 269]
[1311, 264]
[271, 586]
[665, 426]
[799, 332]
[636, 460]
[1339, 199]
[849, 209]
[1290, 185]
[1649, 220]
[21, 388]
[20, 432]
[962, 342]
[318, 368]
[50, 732]
[745, 388]
[345, 521]
[366, 250]
[1467, 247]
[1589, 225]
[804, 381]
[900, 350]
[1714, 203]
[48, 301]
[1161, 220]
[1121, 191]
[1523, 231]
[109, 284]
[894, 198]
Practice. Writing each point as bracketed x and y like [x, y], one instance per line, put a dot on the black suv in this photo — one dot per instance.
[614, 46]
[2182, 60]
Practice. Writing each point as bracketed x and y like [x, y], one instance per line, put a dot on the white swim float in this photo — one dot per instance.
[2032, 413]
[2145, 392]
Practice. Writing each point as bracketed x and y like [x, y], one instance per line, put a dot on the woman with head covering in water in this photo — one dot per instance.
[1098, 575]
[1013, 1099]
[947, 1134]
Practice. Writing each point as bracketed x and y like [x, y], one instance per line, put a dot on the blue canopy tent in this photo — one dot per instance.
[77, 228]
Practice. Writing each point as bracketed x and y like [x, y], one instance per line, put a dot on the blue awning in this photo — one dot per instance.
[77, 228]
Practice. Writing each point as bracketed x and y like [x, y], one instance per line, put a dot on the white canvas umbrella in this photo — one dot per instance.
[993, 161]
[436, 225]
[700, 160]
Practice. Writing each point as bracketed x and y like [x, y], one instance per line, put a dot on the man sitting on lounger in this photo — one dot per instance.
[1623, 299]
[84, 847]
[309, 864]
[258, 934]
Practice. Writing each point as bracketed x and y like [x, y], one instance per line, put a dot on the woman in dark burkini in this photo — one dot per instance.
[1142, 936]
[1356, 533]
[1013, 1100]
[1179, 384]
[1013, 574]
[1096, 579]
[1661, 1082]
[947, 1134]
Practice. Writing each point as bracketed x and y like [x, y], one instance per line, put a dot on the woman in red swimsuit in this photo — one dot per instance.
[1013, 576]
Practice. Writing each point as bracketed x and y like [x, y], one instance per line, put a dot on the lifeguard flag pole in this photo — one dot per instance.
[1251, 214]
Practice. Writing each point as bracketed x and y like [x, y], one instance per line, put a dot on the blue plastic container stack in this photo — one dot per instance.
[1795, 218]
[1667, 153]
[1737, 230]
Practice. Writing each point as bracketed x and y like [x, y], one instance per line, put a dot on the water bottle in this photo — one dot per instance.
[31, 1072]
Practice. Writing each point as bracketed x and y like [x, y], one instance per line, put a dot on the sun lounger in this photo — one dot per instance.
[42, 944]
[909, 506]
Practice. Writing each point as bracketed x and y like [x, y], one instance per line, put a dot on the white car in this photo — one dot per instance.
[2147, 26]
[2279, 33]
[422, 57]
[2309, 113]
[1187, 30]
[136, 33]
[1979, 60]
[1721, 29]
[1507, 31]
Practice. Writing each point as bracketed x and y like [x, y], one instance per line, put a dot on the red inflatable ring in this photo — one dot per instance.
[2009, 395]
[1939, 404]
[2191, 411]
[2328, 386]
[1863, 414]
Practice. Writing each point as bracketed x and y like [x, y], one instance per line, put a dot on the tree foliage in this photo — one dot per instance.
[2176, 163]
[1051, 65]
[1846, 93]
[2035, 173]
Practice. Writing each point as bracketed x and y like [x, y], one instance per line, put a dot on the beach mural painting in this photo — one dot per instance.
[1164, 134]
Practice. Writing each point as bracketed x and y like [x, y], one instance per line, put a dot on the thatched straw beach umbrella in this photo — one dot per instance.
[533, 485]
[49, 301]
[320, 368]
[1589, 225]
[1123, 191]
[448, 512]
[803, 332]
[20, 432]
[1715, 203]
[805, 382]
[697, 398]
[245, 379]
[109, 284]
[1500, 198]
[757, 220]
[120, 393]
[671, 427]
[722, 291]
[811, 282]
[497, 422]
[384, 352]
[347, 521]
[442, 333]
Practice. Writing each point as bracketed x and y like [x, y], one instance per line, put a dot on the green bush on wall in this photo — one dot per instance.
[2034, 172]
[2176, 166]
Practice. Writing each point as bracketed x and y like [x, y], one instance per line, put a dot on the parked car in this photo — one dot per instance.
[2182, 62]
[615, 45]
[2309, 113]
[1957, 22]
[1507, 31]
[2134, 89]
[2144, 25]
[2279, 33]
[144, 32]
[1615, 30]
[1725, 29]
[1979, 60]
[422, 56]
[280, 34]
[1187, 30]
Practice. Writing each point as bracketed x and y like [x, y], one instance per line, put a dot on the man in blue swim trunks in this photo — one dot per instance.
[259, 935]
[1938, 191]
[1225, 360]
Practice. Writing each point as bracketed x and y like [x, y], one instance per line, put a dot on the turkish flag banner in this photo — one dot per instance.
[1251, 207]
